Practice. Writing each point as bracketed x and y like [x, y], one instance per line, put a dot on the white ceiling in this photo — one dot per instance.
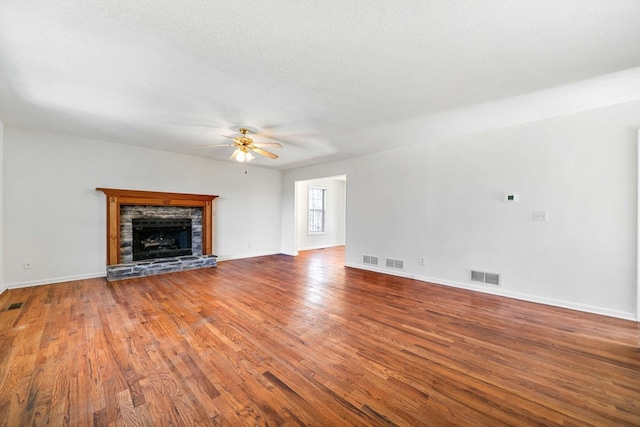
[328, 79]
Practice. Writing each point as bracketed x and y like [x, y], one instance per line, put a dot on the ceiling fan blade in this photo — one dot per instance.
[216, 145]
[267, 144]
[265, 153]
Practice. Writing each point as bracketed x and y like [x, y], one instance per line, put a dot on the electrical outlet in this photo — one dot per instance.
[541, 216]
[27, 264]
[422, 261]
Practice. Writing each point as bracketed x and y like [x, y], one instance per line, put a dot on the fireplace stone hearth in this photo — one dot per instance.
[159, 266]
[130, 268]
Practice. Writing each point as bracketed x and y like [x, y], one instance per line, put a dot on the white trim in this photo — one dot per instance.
[54, 280]
[51, 281]
[296, 196]
[310, 248]
[382, 270]
[532, 298]
[501, 292]
[254, 255]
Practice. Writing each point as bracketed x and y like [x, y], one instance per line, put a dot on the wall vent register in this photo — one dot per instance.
[395, 263]
[369, 259]
[483, 277]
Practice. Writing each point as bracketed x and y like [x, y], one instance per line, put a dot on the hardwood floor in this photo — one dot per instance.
[281, 340]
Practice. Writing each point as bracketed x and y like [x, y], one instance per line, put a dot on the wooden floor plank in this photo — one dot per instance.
[281, 340]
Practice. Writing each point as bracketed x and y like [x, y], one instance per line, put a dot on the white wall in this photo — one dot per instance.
[443, 201]
[54, 217]
[335, 215]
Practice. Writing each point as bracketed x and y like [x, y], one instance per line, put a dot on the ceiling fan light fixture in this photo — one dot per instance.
[245, 147]
[244, 156]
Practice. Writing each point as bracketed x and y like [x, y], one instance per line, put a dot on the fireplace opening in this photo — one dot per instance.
[161, 238]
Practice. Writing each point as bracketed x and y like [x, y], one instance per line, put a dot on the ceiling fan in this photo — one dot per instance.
[244, 146]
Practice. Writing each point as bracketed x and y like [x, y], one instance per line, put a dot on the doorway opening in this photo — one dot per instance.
[321, 213]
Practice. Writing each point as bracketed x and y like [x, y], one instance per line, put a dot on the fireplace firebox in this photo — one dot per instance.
[161, 238]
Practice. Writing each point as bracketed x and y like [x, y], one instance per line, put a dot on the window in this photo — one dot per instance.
[317, 210]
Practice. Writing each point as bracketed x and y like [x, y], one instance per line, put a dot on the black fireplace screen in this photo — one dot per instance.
[161, 238]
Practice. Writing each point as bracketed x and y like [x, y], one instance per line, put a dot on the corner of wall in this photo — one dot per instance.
[2, 288]
[638, 228]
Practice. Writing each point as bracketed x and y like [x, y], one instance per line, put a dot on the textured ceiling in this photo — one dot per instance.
[328, 79]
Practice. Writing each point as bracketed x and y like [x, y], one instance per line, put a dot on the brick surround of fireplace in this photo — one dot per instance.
[129, 213]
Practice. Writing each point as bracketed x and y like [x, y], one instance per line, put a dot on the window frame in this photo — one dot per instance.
[323, 211]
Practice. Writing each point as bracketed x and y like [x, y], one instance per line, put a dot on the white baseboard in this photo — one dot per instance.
[50, 281]
[253, 255]
[311, 248]
[382, 270]
[501, 292]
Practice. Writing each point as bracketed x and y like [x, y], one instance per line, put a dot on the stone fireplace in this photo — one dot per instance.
[140, 223]
[152, 232]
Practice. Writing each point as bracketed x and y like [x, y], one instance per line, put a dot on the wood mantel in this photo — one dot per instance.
[116, 198]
